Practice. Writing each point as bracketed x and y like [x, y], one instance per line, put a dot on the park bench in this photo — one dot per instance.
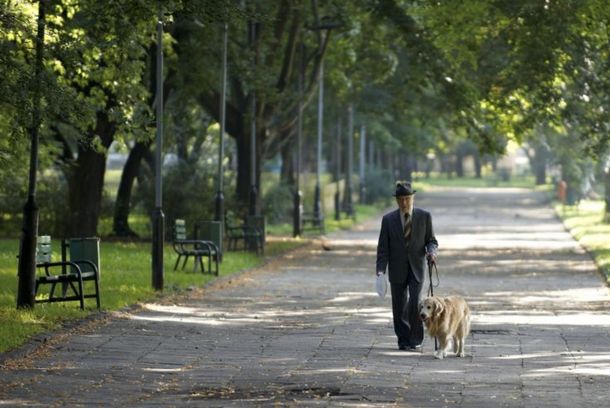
[196, 248]
[71, 274]
[211, 231]
[249, 233]
[311, 222]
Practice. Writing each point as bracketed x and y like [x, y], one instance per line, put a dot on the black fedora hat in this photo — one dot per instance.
[403, 188]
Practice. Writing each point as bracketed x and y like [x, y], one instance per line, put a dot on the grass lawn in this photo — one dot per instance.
[585, 222]
[126, 279]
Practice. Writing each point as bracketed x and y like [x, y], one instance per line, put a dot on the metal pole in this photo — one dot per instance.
[317, 206]
[26, 286]
[298, 208]
[253, 189]
[350, 161]
[220, 199]
[338, 171]
[158, 217]
[362, 164]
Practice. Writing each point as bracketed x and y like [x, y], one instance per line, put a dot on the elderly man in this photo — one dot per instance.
[406, 240]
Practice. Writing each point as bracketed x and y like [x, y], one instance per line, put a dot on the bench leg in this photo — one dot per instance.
[52, 291]
[201, 264]
[186, 257]
[177, 262]
[97, 292]
[81, 294]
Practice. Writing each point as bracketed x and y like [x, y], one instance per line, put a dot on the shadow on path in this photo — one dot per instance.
[308, 329]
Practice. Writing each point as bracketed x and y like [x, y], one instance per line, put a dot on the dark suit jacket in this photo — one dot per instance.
[392, 250]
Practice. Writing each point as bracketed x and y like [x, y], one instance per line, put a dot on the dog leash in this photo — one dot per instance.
[432, 264]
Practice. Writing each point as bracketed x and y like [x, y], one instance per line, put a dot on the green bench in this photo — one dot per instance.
[250, 233]
[82, 266]
[311, 222]
[195, 248]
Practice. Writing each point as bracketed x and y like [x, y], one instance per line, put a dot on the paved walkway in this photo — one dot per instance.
[308, 330]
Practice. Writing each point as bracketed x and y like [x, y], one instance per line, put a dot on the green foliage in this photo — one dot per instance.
[278, 204]
[423, 77]
[378, 184]
[189, 192]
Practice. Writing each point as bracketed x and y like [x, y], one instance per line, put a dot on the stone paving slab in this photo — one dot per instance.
[309, 331]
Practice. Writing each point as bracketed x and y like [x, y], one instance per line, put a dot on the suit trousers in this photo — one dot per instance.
[405, 308]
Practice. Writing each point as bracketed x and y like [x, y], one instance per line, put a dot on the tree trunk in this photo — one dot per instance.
[410, 166]
[242, 189]
[86, 182]
[540, 175]
[287, 171]
[244, 167]
[122, 205]
[459, 164]
[539, 164]
[607, 196]
[477, 165]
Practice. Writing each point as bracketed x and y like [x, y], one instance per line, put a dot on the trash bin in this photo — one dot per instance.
[86, 249]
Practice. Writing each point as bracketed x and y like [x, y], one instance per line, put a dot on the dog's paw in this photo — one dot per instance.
[462, 354]
[439, 355]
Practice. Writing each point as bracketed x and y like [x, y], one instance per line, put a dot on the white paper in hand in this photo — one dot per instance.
[381, 285]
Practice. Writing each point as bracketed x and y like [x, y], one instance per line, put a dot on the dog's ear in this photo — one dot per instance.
[439, 307]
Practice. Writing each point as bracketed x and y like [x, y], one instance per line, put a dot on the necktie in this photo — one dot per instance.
[407, 227]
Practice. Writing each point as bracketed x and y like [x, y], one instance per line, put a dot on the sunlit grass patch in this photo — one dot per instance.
[126, 279]
[585, 223]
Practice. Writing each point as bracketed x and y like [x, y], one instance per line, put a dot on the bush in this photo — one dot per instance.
[379, 184]
[277, 204]
[189, 193]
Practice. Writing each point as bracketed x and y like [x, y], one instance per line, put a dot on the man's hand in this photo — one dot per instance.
[379, 273]
[431, 258]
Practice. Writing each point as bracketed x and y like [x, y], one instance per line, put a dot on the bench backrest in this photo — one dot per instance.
[43, 249]
[179, 230]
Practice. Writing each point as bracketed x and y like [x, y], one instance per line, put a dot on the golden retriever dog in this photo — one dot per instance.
[447, 319]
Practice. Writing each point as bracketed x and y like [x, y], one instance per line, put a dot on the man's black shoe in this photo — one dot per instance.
[415, 348]
[401, 347]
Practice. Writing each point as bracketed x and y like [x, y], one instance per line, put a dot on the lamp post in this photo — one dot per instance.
[253, 189]
[350, 161]
[317, 207]
[158, 217]
[362, 184]
[221, 142]
[338, 171]
[26, 287]
[298, 207]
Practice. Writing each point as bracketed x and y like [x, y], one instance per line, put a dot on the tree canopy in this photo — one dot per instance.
[423, 76]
